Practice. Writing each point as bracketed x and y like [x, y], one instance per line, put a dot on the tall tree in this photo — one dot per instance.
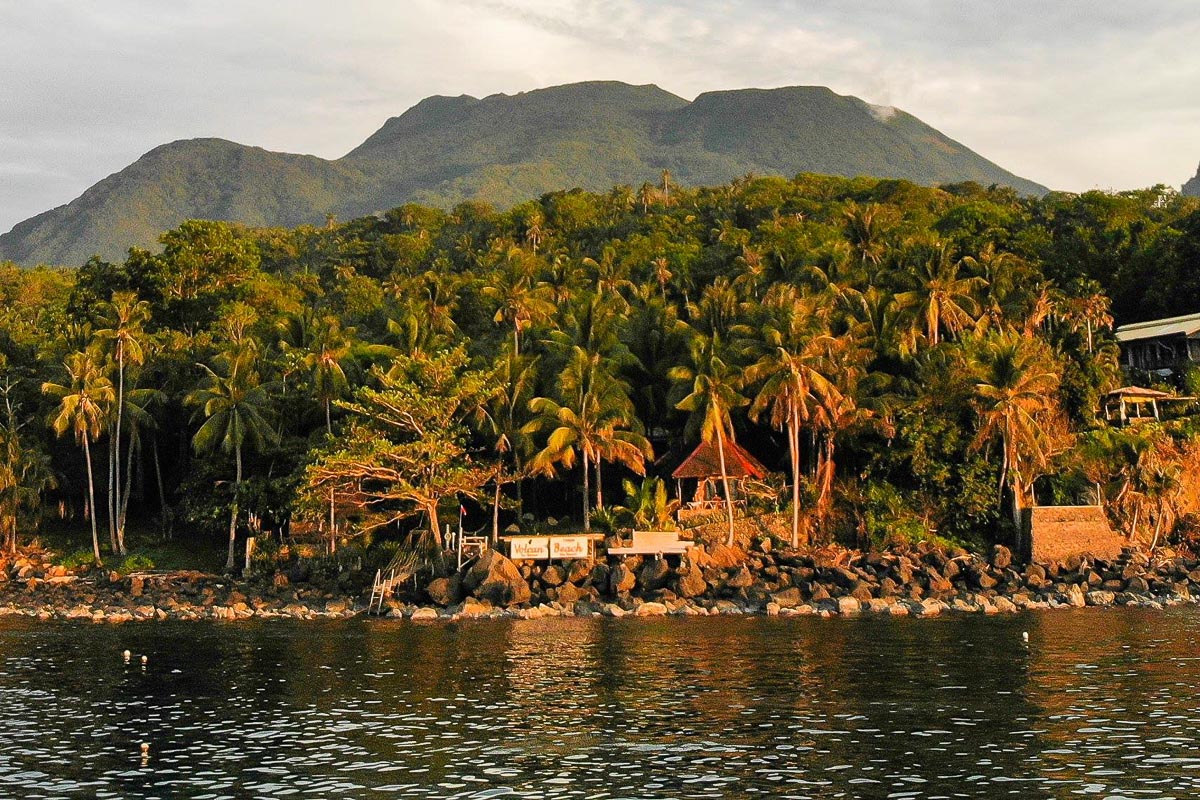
[715, 391]
[594, 419]
[125, 317]
[1016, 381]
[234, 404]
[83, 404]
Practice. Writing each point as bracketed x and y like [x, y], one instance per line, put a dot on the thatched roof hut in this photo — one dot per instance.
[705, 463]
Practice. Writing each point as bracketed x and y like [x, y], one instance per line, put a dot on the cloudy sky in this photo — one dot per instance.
[1075, 94]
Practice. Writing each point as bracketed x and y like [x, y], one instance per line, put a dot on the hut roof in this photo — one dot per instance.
[705, 462]
[1141, 393]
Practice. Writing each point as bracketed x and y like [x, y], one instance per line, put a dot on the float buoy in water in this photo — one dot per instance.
[145, 753]
[127, 656]
[1025, 637]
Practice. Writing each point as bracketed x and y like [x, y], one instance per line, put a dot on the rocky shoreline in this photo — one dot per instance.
[709, 580]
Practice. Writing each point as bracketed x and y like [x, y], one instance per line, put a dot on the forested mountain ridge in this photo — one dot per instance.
[502, 150]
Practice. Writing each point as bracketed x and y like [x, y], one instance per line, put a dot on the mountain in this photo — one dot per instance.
[1192, 187]
[503, 150]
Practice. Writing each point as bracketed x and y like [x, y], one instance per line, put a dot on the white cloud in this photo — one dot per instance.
[1074, 94]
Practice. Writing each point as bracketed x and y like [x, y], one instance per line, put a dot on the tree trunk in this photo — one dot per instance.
[87, 455]
[431, 510]
[328, 418]
[123, 496]
[162, 493]
[117, 513]
[332, 524]
[725, 483]
[111, 500]
[599, 487]
[794, 451]
[496, 514]
[233, 510]
[587, 514]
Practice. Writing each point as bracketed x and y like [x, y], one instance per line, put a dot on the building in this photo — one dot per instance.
[1160, 344]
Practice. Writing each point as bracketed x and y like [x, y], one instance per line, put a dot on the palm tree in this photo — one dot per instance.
[125, 316]
[329, 350]
[942, 298]
[233, 402]
[1015, 385]
[595, 419]
[83, 403]
[795, 345]
[521, 303]
[715, 387]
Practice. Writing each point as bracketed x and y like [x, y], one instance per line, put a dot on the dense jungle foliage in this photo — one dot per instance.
[925, 361]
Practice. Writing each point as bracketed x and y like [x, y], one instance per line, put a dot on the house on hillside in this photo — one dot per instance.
[1160, 344]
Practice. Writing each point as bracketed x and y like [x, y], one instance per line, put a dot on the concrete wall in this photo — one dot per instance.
[1055, 533]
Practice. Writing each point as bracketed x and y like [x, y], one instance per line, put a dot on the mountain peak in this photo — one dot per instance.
[1192, 187]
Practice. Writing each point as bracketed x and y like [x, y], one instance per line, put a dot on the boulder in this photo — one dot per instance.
[1001, 557]
[740, 579]
[653, 574]
[651, 610]
[553, 575]
[787, 598]
[444, 591]
[497, 580]
[691, 583]
[621, 579]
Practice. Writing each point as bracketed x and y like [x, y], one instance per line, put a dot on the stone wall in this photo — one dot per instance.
[1056, 533]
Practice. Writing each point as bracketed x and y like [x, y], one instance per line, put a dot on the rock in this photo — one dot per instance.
[651, 610]
[787, 598]
[1001, 557]
[931, 608]
[691, 583]
[1100, 597]
[613, 610]
[1075, 597]
[424, 614]
[848, 605]
[622, 579]
[740, 579]
[137, 585]
[554, 575]
[653, 574]
[1004, 605]
[898, 610]
[569, 594]
[496, 579]
[773, 609]
[725, 557]
[443, 591]
[1137, 584]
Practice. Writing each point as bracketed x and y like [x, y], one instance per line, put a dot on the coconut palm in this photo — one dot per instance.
[326, 359]
[1014, 399]
[125, 316]
[594, 419]
[83, 404]
[794, 348]
[943, 299]
[521, 303]
[233, 403]
[714, 393]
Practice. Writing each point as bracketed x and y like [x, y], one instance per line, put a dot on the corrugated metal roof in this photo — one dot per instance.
[1188, 325]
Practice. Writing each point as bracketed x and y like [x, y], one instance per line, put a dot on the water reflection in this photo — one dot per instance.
[1098, 702]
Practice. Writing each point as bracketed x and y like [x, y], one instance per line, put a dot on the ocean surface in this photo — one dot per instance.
[1099, 703]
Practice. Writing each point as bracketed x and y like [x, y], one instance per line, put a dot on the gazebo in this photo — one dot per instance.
[1134, 403]
[704, 467]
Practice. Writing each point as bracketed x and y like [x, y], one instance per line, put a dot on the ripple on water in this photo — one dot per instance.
[1104, 703]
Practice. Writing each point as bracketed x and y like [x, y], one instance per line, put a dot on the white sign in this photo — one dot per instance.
[529, 547]
[568, 547]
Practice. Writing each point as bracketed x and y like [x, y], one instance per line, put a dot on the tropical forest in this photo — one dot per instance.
[908, 363]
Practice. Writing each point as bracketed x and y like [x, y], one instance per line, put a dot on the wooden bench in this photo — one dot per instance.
[653, 543]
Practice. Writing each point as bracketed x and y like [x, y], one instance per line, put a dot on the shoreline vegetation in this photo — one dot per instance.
[713, 579]
[875, 366]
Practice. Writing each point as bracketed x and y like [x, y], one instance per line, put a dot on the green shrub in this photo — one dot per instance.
[134, 562]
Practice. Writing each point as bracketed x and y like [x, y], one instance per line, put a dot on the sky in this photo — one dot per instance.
[1074, 94]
